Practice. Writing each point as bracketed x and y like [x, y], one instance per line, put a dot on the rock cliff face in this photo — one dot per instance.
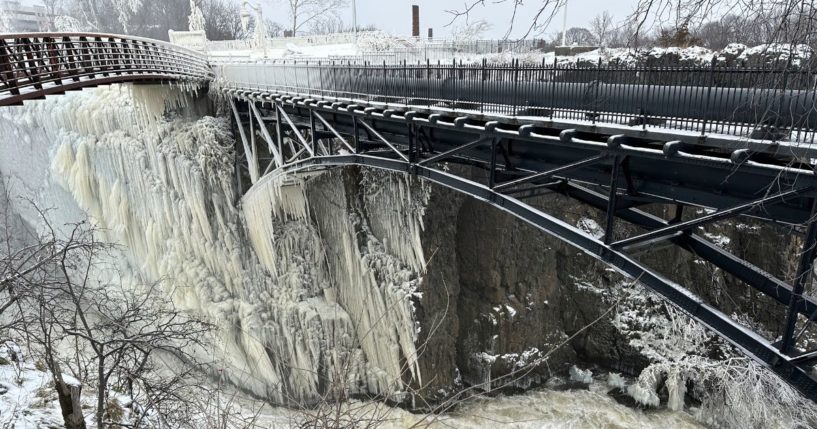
[502, 294]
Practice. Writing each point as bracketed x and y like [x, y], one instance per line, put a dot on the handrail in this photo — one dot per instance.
[773, 103]
[33, 65]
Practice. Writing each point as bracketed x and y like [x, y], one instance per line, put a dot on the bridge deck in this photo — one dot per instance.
[35, 65]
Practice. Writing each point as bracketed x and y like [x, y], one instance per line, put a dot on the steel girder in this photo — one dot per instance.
[634, 172]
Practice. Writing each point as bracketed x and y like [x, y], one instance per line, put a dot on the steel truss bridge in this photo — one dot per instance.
[614, 143]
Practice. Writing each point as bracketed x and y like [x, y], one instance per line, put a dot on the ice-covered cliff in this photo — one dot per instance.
[295, 316]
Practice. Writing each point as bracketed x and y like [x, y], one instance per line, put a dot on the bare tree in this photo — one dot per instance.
[86, 331]
[602, 27]
[781, 21]
[472, 30]
[579, 36]
[535, 23]
[222, 20]
[303, 12]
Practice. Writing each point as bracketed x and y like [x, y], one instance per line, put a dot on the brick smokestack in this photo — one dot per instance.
[430, 34]
[415, 20]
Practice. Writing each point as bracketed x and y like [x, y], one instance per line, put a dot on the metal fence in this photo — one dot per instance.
[442, 51]
[34, 65]
[405, 50]
[768, 103]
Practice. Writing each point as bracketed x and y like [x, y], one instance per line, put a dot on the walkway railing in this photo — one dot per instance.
[38, 64]
[774, 103]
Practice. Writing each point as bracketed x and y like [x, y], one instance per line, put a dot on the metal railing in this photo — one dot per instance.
[37, 64]
[410, 50]
[774, 103]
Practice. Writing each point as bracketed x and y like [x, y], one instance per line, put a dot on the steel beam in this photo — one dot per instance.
[550, 173]
[298, 134]
[381, 138]
[609, 231]
[335, 132]
[253, 165]
[804, 269]
[703, 220]
[279, 160]
[741, 269]
[452, 152]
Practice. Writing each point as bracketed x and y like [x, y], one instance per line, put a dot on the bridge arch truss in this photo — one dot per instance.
[288, 134]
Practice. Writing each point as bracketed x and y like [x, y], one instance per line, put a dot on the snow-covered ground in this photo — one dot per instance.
[376, 47]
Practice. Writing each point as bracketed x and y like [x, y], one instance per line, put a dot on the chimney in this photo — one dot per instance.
[430, 33]
[415, 20]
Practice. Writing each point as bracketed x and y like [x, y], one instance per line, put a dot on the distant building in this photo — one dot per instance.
[24, 19]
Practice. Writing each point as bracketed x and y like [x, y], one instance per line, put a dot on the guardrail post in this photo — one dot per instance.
[385, 85]
[553, 87]
[428, 82]
[515, 87]
[482, 86]
[776, 133]
[405, 84]
[596, 95]
[320, 78]
[709, 94]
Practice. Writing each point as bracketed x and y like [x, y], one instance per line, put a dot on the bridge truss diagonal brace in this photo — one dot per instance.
[383, 139]
[249, 153]
[454, 151]
[298, 134]
[333, 131]
[670, 230]
[804, 270]
[279, 160]
[549, 173]
[741, 269]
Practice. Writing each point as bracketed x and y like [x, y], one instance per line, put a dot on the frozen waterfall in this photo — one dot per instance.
[295, 317]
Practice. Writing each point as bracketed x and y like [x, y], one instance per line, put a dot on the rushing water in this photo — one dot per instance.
[567, 409]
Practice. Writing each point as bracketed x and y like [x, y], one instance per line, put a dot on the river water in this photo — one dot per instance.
[566, 409]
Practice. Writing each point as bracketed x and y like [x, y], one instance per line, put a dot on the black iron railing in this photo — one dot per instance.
[775, 102]
[38, 64]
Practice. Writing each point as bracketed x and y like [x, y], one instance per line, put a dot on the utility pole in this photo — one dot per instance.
[354, 18]
[564, 25]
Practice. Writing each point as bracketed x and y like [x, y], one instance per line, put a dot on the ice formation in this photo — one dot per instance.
[376, 264]
[579, 375]
[733, 392]
[294, 316]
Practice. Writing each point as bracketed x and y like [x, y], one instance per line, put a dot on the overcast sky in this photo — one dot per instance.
[394, 16]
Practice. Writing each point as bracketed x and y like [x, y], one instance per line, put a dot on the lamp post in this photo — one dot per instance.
[260, 35]
[564, 25]
[354, 18]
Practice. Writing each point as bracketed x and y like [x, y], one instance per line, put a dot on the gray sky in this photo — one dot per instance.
[394, 16]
